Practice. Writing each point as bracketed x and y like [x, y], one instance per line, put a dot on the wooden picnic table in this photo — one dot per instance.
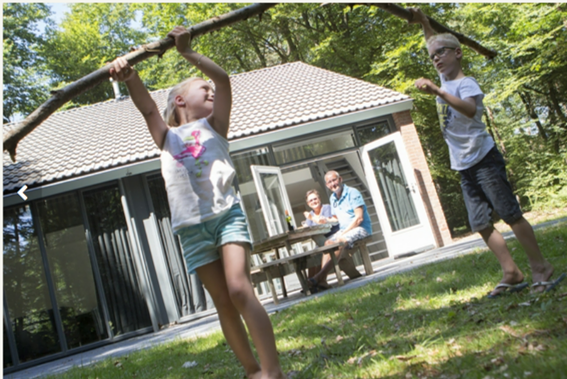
[283, 266]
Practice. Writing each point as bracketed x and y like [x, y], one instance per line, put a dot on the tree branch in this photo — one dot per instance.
[400, 12]
[60, 97]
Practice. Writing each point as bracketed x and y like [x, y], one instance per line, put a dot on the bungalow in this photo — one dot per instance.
[89, 255]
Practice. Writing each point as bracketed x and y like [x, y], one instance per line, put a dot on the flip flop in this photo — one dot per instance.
[509, 288]
[550, 285]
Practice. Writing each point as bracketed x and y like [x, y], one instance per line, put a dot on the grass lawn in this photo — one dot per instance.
[432, 322]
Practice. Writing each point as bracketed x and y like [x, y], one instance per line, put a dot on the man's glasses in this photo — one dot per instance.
[440, 52]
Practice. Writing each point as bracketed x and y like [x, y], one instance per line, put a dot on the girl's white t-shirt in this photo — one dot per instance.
[198, 174]
[466, 137]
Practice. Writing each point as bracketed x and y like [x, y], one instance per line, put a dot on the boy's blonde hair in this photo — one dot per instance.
[447, 39]
[169, 114]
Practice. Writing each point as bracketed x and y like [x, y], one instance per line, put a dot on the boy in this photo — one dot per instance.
[482, 168]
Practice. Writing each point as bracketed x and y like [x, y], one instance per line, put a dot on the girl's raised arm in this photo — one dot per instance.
[222, 104]
[121, 71]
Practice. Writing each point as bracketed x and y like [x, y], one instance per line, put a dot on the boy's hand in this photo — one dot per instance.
[182, 39]
[427, 86]
[418, 16]
[121, 70]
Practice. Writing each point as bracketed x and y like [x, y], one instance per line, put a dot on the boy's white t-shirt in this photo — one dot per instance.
[198, 173]
[467, 138]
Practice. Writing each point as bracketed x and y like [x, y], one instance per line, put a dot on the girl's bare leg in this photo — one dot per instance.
[241, 292]
[213, 277]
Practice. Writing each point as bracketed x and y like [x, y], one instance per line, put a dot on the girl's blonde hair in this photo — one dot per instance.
[169, 114]
[445, 38]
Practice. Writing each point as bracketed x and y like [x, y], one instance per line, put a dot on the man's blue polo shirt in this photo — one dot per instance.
[343, 208]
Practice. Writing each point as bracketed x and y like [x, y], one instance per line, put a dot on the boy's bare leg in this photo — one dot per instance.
[213, 278]
[497, 244]
[241, 292]
[542, 270]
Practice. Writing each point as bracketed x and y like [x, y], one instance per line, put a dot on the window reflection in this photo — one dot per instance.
[25, 287]
[71, 270]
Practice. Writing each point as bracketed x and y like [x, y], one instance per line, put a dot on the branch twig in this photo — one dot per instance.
[93, 79]
[400, 12]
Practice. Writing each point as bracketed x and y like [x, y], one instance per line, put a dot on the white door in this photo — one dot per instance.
[273, 198]
[396, 195]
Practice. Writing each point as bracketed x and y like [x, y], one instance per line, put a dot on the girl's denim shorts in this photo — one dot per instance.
[201, 242]
[486, 189]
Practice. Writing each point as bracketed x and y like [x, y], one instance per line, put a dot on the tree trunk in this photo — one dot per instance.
[60, 97]
[490, 118]
[527, 100]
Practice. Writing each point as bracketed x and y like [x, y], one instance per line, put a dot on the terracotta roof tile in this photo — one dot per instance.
[113, 133]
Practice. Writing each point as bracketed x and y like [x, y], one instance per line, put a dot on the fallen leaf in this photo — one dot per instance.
[405, 357]
[439, 280]
[339, 338]
[351, 360]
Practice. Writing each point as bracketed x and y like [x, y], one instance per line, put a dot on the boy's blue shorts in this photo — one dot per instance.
[486, 188]
[201, 242]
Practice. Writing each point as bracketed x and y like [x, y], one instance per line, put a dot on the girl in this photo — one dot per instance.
[205, 212]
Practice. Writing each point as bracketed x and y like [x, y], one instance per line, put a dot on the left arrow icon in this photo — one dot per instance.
[21, 192]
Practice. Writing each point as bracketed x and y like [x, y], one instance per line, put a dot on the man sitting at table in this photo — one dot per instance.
[349, 208]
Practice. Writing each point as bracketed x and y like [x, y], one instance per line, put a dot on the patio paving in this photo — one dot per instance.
[209, 322]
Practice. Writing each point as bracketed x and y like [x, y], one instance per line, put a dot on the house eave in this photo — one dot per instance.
[262, 139]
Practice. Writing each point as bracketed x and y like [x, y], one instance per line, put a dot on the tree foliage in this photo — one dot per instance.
[24, 86]
[525, 85]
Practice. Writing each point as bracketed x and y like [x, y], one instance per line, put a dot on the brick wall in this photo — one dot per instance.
[404, 124]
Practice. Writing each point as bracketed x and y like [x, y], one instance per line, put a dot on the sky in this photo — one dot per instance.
[58, 9]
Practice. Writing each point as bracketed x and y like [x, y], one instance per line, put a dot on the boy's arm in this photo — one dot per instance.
[222, 103]
[421, 18]
[123, 72]
[466, 106]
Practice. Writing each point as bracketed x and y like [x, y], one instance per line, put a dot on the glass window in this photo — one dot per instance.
[127, 307]
[305, 149]
[25, 287]
[394, 187]
[71, 270]
[251, 203]
[372, 132]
